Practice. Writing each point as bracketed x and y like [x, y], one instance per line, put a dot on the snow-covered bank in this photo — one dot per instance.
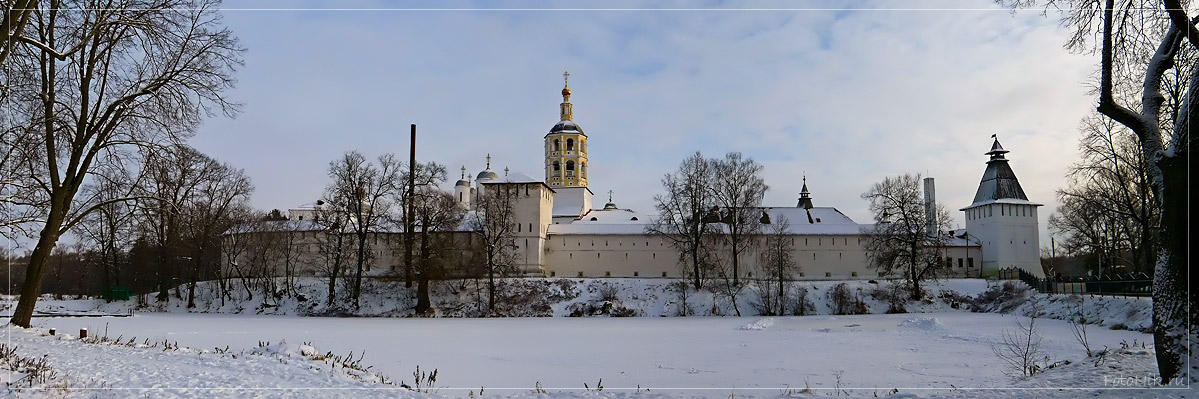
[534, 297]
[935, 355]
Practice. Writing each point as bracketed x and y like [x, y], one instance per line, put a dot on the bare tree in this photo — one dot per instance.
[738, 188]
[110, 232]
[109, 76]
[437, 216]
[424, 178]
[1140, 42]
[364, 190]
[209, 213]
[1020, 349]
[1108, 209]
[492, 223]
[174, 176]
[681, 211]
[898, 242]
[330, 246]
[777, 260]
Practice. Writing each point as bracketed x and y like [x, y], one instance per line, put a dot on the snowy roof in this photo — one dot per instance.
[604, 221]
[999, 182]
[823, 221]
[569, 201]
[514, 177]
[566, 126]
[275, 226]
[960, 238]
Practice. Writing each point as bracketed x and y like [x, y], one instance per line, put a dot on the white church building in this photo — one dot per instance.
[560, 232]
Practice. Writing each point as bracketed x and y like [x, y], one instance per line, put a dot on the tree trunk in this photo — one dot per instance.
[35, 271]
[782, 294]
[1170, 299]
[490, 282]
[336, 270]
[358, 273]
[423, 304]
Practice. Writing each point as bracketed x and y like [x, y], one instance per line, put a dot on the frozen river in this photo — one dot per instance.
[869, 351]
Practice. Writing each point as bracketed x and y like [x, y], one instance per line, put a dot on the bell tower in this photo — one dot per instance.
[566, 147]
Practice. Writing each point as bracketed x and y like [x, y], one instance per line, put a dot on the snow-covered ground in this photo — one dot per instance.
[943, 354]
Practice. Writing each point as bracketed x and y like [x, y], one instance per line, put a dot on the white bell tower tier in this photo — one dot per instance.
[1003, 220]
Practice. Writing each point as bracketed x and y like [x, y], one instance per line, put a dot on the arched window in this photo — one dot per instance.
[570, 165]
[583, 167]
[570, 144]
[557, 166]
[556, 145]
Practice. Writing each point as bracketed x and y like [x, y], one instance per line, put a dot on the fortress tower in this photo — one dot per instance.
[1003, 220]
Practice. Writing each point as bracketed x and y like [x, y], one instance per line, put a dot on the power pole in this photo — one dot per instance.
[411, 210]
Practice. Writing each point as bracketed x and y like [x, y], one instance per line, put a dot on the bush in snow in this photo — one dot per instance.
[1020, 349]
[765, 299]
[801, 305]
[893, 294]
[957, 300]
[1003, 297]
[33, 370]
[845, 302]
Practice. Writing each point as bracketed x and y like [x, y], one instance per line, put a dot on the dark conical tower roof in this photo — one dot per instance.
[998, 182]
[805, 199]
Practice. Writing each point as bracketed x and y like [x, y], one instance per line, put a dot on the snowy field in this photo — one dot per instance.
[929, 355]
[243, 348]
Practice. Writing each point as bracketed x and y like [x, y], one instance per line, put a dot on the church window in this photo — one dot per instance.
[583, 166]
[557, 166]
[530, 227]
[635, 273]
[557, 146]
[570, 165]
[570, 144]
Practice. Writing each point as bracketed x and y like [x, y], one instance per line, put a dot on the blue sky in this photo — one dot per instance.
[849, 95]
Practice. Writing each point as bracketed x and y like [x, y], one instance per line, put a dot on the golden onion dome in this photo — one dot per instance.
[565, 91]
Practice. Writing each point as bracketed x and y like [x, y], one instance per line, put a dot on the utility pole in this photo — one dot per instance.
[409, 213]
